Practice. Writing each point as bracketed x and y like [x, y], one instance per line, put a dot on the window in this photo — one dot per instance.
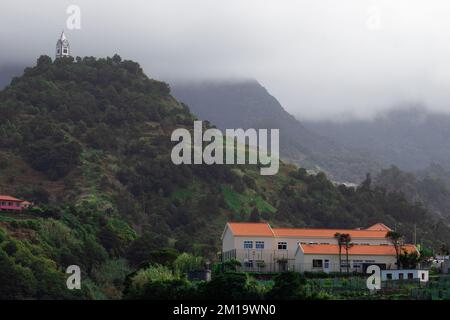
[282, 245]
[400, 276]
[259, 244]
[65, 50]
[248, 264]
[410, 275]
[389, 276]
[248, 244]
[317, 263]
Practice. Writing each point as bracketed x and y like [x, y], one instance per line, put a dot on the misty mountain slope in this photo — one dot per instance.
[411, 139]
[436, 172]
[426, 188]
[246, 104]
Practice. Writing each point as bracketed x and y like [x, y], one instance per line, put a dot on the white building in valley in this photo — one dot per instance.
[259, 247]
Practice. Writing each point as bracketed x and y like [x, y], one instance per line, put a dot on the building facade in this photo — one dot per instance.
[260, 248]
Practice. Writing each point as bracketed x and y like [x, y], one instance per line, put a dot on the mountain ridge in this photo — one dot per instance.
[247, 104]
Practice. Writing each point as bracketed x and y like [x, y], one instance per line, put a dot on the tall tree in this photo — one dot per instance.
[397, 240]
[347, 242]
[339, 238]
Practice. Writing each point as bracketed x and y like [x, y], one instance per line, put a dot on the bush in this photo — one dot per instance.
[288, 286]
[186, 262]
[235, 286]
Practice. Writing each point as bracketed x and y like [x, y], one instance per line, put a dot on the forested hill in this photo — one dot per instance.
[88, 141]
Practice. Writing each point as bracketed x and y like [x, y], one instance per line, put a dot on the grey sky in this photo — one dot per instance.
[319, 58]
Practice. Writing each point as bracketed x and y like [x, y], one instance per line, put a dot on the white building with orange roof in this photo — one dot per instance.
[259, 247]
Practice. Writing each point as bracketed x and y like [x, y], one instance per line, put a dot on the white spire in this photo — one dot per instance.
[63, 36]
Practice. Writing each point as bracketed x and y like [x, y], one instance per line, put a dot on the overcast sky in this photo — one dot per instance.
[319, 58]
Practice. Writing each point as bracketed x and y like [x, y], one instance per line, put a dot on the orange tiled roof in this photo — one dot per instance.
[381, 250]
[327, 233]
[251, 229]
[379, 227]
[9, 198]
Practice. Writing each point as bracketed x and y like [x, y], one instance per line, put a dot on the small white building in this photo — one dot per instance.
[410, 274]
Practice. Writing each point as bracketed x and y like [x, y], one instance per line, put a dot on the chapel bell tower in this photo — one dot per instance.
[62, 47]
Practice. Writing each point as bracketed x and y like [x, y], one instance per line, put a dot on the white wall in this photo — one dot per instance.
[304, 262]
[228, 241]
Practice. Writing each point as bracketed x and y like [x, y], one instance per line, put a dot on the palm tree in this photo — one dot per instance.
[339, 238]
[396, 239]
[347, 239]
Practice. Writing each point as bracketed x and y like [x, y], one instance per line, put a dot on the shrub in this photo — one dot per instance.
[186, 262]
[288, 285]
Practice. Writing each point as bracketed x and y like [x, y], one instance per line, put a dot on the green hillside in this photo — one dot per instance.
[88, 141]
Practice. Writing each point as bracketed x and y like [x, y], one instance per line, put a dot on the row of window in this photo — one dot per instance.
[10, 204]
[249, 244]
[319, 263]
[260, 245]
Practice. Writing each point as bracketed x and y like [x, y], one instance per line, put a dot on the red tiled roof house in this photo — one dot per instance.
[259, 247]
[8, 203]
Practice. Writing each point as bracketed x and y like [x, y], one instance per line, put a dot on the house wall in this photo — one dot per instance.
[245, 255]
[228, 241]
[304, 262]
[268, 242]
[10, 205]
[293, 242]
